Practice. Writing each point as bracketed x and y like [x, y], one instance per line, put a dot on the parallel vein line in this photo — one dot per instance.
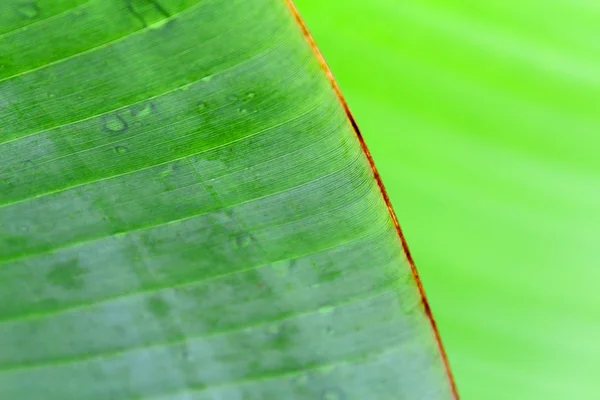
[39, 195]
[45, 19]
[88, 88]
[356, 359]
[101, 46]
[192, 282]
[121, 140]
[182, 87]
[110, 354]
[175, 221]
[236, 169]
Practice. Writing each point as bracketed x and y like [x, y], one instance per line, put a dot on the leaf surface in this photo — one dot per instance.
[187, 212]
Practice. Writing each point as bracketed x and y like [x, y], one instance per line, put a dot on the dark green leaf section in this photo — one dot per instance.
[96, 23]
[19, 14]
[186, 213]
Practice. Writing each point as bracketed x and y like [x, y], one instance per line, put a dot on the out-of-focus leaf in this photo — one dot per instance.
[483, 117]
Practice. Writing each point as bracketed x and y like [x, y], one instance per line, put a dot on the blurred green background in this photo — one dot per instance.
[484, 120]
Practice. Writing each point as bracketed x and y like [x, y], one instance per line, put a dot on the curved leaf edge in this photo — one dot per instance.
[424, 302]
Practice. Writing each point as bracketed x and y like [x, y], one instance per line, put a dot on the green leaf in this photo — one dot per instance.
[187, 212]
[483, 117]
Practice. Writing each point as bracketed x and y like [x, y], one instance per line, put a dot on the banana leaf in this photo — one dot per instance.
[188, 211]
[483, 118]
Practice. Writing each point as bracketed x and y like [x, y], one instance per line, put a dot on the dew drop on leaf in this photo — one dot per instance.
[79, 13]
[185, 353]
[28, 10]
[301, 379]
[243, 240]
[7, 183]
[293, 263]
[282, 269]
[68, 275]
[202, 106]
[273, 329]
[158, 307]
[141, 111]
[166, 172]
[333, 394]
[120, 330]
[115, 123]
[326, 309]
[121, 149]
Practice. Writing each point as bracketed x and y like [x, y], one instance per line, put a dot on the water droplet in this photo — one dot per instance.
[141, 110]
[242, 111]
[158, 307]
[28, 10]
[120, 330]
[79, 13]
[250, 95]
[7, 183]
[332, 394]
[121, 149]
[202, 106]
[166, 172]
[273, 329]
[301, 379]
[229, 212]
[232, 98]
[243, 240]
[327, 368]
[293, 263]
[282, 269]
[28, 163]
[68, 275]
[159, 24]
[185, 353]
[115, 124]
[326, 309]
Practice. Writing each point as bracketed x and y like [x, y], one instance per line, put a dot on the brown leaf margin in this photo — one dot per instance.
[425, 303]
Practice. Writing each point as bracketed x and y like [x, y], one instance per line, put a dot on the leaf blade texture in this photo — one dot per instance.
[187, 213]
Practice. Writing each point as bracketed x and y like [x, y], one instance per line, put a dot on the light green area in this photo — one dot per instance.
[186, 214]
[484, 120]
